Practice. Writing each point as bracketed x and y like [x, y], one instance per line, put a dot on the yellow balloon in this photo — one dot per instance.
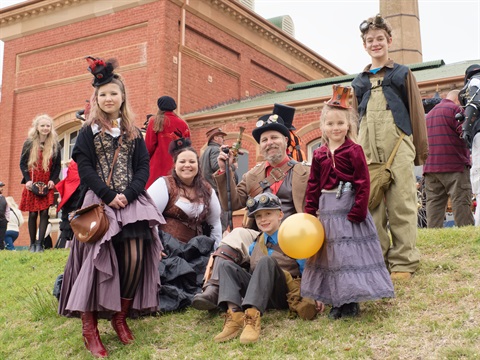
[300, 236]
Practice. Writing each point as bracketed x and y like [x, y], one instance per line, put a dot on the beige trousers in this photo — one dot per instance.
[398, 212]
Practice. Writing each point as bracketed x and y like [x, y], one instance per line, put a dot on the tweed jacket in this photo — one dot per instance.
[239, 193]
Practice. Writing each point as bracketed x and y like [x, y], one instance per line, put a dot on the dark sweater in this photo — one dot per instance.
[54, 170]
[85, 156]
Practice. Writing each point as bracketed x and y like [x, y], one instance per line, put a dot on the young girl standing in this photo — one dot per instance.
[118, 275]
[40, 162]
[349, 267]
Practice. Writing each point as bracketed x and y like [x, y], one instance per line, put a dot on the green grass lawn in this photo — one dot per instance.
[436, 315]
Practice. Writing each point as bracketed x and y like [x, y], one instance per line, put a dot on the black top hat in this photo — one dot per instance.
[166, 103]
[265, 201]
[270, 122]
[286, 113]
[101, 70]
[471, 70]
[2, 184]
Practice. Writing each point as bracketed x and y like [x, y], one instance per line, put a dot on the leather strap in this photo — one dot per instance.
[276, 174]
[115, 157]
[228, 253]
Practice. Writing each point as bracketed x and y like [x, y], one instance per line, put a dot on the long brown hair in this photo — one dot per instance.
[50, 146]
[159, 121]
[99, 117]
[201, 187]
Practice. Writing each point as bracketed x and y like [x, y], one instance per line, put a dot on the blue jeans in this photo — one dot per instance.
[10, 237]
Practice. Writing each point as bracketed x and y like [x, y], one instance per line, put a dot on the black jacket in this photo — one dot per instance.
[86, 158]
[56, 163]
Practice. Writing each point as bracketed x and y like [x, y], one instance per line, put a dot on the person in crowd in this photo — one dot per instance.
[389, 104]
[14, 224]
[246, 295]
[186, 200]
[209, 163]
[349, 267]
[4, 216]
[116, 276]
[468, 94]
[277, 174]
[70, 194]
[192, 230]
[447, 169]
[40, 163]
[162, 129]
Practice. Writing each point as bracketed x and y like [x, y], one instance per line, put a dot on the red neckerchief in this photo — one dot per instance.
[268, 169]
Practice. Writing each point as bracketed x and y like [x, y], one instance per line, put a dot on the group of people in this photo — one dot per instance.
[153, 196]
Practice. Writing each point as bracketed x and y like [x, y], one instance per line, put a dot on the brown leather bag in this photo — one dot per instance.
[90, 223]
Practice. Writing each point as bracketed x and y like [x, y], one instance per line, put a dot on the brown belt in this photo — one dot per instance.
[228, 253]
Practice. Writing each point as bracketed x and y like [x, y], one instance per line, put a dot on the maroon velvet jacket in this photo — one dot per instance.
[347, 164]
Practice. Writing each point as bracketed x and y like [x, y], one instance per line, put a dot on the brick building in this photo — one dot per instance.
[224, 64]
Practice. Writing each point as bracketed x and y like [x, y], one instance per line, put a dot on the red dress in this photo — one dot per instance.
[161, 163]
[32, 202]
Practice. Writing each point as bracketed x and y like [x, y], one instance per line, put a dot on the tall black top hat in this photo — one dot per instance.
[101, 70]
[286, 113]
[270, 122]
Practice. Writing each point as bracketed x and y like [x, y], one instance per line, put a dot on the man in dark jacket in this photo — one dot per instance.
[209, 162]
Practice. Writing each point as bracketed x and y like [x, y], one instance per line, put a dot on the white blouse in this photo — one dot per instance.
[158, 191]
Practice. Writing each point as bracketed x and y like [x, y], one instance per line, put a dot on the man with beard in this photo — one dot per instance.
[277, 174]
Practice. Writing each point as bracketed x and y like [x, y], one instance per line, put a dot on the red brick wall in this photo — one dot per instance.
[46, 73]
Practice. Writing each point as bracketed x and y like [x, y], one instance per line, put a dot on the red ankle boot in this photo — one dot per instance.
[119, 322]
[91, 337]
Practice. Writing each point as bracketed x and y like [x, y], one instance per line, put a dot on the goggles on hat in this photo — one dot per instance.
[378, 21]
[264, 201]
[271, 119]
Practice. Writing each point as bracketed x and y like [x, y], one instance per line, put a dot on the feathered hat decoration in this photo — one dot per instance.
[179, 143]
[101, 70]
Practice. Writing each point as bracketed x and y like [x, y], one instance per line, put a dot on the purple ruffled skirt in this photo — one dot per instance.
[350, 266]
[91, 280]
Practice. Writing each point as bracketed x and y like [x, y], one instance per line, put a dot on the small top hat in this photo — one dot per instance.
[2, 184]
[270, 122]
[471, 70]
[286, 113]
[166, 103]
[340, 97]
[178, 144]
[101, 70]
[215, 131]
[265, 201]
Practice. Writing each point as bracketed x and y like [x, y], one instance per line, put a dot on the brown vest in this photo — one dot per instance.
[286, 263]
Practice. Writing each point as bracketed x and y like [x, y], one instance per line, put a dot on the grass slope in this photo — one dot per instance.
[434, 316]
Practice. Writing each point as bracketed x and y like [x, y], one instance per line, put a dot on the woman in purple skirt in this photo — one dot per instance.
[117, 275]
[349, 267]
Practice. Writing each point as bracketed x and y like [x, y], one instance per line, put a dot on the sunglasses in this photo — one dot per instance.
[378, 22]
[264, 201]
[271, 119]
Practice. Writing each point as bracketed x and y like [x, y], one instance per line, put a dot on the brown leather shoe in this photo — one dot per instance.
[400, 275]
[251, 330]
[207, 300]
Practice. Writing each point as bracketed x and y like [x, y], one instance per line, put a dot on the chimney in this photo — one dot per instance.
[405, 21]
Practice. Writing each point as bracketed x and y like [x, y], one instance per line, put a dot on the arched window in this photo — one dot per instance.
[311, 147]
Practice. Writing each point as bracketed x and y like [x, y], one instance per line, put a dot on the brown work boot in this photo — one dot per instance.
[207, 300]
[251, 331]
[232, 327]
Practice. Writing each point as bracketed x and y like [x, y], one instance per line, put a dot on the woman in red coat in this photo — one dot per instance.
[164, 128]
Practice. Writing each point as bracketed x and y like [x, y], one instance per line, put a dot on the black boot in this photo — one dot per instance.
[335, 313]
[207, 300]
[32, 246]
[38, 246]
[350, 309]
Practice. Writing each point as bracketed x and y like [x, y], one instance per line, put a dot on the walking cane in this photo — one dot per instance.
[229, 195]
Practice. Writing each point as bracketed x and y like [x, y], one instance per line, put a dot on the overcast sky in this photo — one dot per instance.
[450, 29]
